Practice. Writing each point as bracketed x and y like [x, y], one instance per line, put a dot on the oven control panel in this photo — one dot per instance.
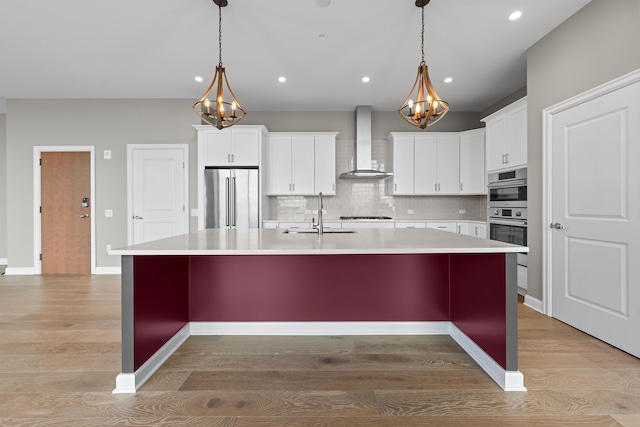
[507, 213]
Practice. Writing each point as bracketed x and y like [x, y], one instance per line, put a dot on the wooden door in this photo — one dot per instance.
[595, 223]
[66, 225]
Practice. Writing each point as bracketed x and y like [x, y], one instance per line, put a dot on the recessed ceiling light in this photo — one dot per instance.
[366, 79]
[323, 3]
[515, 15]
[323, 36]
[448, 80]
[282, 79]
[199, 79]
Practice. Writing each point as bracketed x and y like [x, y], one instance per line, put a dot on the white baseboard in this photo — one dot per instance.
[20, 271]
[507, 380]
[319, 328]
[534, 303]
[108, 270]
[130, 383]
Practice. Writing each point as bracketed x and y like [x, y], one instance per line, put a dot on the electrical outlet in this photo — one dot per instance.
[410, 211]
[462, 211]
[107, 154]
[194, 212]
[108, 213]
[108, 248]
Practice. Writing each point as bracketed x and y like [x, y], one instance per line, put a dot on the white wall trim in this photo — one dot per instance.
[108, 270]
[320, 328]
[547, 184]
[37, 199]
[507, 380]
[130, 149]
[534, 303]
[20, 271]
[130, 383]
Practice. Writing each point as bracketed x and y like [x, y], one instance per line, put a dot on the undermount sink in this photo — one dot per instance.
[315, 231]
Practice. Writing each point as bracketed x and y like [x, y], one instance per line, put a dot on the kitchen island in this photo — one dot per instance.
[266, 282]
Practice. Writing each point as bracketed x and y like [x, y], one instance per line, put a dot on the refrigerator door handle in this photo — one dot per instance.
[228, 204]
[233, 203]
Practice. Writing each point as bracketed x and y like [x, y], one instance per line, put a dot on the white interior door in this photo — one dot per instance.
[595, 216]
[159, 196]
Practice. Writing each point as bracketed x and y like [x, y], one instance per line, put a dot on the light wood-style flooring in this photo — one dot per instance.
[60, 354]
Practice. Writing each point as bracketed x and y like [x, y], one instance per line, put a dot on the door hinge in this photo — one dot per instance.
[182, 165]
[183, 208]
[40, 162]
[40, 209]
[40, 257]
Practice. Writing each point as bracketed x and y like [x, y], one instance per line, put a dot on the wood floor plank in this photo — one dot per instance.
[338, 380]
[59, 355]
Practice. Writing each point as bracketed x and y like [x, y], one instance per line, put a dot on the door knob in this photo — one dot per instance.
[556, 225]
[137, 217]
[84, 216]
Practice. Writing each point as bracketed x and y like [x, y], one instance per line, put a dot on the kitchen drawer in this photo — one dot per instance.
[411, 225]
[444, 226]
[368, 224]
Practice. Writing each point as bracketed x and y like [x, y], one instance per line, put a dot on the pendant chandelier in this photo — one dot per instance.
[223, 110]
[427, 108]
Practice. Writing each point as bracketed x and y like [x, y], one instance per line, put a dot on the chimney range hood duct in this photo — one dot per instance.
[363, 148]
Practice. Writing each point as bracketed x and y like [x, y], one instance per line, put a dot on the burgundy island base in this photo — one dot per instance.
[371, 282]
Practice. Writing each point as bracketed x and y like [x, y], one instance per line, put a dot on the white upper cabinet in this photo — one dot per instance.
[472, 162]
[235, 146]
[301, 163]
[424, 164]
[506, 137]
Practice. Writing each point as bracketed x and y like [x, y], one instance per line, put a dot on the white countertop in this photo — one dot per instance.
[260, 241]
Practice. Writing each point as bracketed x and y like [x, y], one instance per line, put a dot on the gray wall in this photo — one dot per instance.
[111, 125]
[597, 44]
[3, 186]
[105, 124]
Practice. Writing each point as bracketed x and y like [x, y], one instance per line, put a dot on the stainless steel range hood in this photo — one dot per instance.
[363, 148]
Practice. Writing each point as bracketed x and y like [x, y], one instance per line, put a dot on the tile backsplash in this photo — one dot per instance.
[368, 197]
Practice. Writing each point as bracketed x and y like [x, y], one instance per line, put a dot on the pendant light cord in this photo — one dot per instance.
[220, 35]
[422, 36]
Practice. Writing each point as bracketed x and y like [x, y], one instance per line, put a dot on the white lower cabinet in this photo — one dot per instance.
[411, 225]
[444, 226]
[370, 224]
[478, 230]
[463, 228]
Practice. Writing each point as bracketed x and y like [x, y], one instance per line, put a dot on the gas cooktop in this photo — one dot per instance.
[365, 217]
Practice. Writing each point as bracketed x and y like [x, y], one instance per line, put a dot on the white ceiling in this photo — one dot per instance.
[155, 48]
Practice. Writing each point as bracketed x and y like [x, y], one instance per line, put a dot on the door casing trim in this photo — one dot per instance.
[547, 185]
[37, 199]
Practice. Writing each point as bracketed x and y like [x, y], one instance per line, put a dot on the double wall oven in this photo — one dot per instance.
[507, 209]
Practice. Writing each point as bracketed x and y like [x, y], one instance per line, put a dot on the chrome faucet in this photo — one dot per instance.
[319, 226]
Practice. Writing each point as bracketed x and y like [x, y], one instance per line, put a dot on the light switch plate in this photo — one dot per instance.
[462, 211]
[107, 154]
[410, 211]
[194, 212]
[108, 213]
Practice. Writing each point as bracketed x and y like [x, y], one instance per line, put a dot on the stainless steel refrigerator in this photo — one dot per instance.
[231, 198]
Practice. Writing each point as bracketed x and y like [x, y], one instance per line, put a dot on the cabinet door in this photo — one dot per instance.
[517, 138]
[463, 228]
[426, 165]
[279, 165]
[325, 165]
[303, 164]
[403, 164]
[496, 143]
[246, 147]
[472, 170]
[448, 164]
[479, 230]
[218, 148]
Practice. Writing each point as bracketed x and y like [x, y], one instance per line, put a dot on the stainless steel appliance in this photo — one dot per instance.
[508, 189]
[507, 213]
[231, 197]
